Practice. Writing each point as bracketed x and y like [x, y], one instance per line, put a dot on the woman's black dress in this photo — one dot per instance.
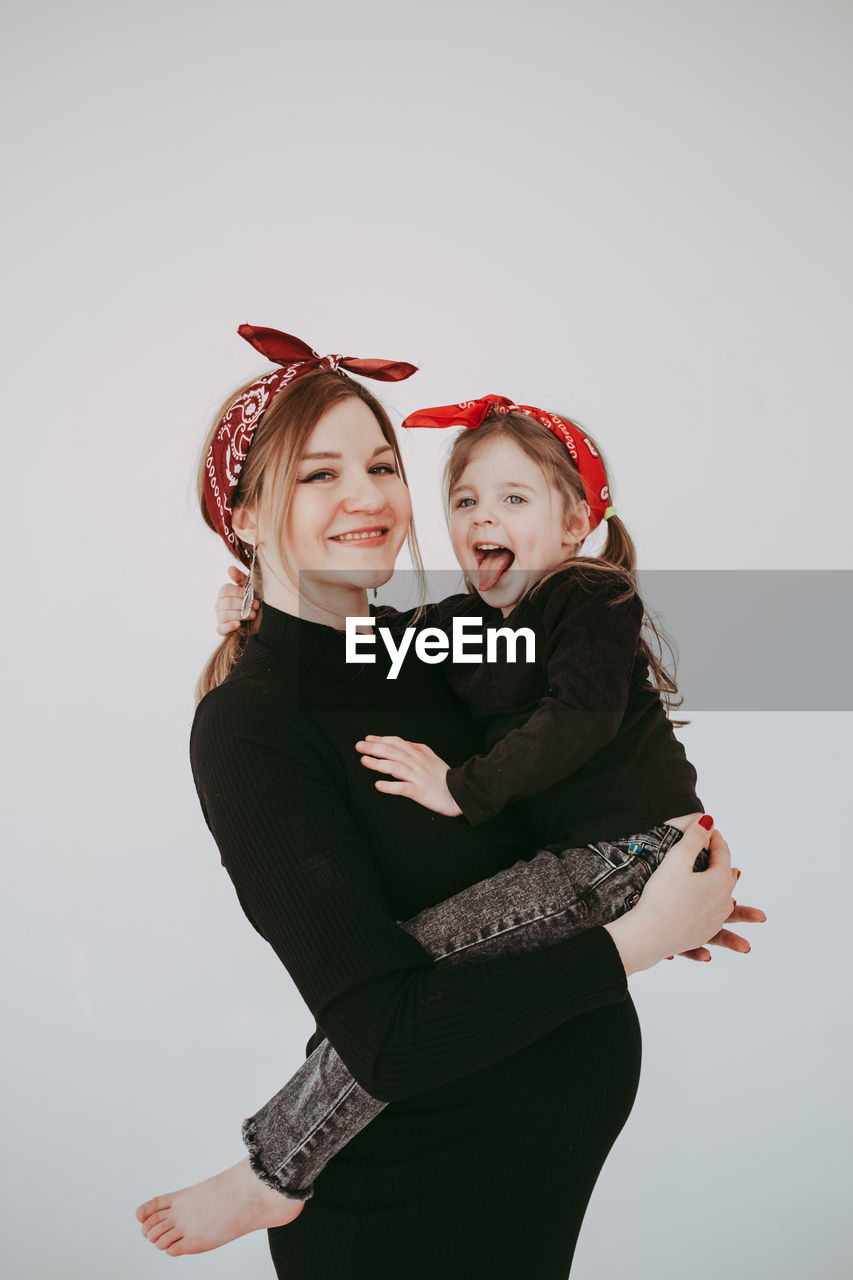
[508, 1078]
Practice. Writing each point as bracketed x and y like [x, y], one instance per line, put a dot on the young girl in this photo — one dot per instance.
[610, 765]
[580, 736]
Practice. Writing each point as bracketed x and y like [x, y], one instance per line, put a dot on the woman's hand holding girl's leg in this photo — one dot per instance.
[683, 911]
[725, 937]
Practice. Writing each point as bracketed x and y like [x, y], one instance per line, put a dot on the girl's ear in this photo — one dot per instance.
[576, 526]
[245, 524]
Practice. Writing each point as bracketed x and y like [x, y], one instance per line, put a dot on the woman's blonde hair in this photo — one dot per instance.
[271, 467]
[617, 559]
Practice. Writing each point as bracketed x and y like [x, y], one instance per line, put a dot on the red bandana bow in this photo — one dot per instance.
[472, 413]
[234, 434]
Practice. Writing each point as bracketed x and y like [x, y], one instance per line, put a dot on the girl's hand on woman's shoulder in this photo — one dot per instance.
[230, 600]
[684, 911]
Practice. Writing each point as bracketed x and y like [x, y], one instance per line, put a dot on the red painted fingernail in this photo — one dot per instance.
[706, 821]
[737, 873]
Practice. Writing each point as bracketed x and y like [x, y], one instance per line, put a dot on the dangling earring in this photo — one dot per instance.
[249, 593]
[375, 592]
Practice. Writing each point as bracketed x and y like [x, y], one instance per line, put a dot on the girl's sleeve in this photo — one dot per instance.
[274, 798]
[590, 647]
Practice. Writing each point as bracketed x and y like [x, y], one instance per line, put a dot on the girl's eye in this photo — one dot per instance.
[463, 502]
[515, 498]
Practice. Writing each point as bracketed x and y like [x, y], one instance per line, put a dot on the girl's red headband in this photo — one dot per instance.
[236, 428]
[472, 413]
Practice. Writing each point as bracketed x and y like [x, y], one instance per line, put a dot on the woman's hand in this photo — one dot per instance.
[725, 938]
[421, 774]
[230, 600]
[681, 910]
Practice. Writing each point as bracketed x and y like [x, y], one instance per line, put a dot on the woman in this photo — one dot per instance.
[508, 1078]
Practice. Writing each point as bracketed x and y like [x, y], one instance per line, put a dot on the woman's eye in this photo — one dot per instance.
[385, 468]
[515, 498]
[315, 475]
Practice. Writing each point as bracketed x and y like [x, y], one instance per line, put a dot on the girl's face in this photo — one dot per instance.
[505, 516]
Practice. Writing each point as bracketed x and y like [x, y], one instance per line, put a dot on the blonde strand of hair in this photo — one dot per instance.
[226, 656]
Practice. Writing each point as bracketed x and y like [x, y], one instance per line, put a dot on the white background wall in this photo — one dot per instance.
[638, 213]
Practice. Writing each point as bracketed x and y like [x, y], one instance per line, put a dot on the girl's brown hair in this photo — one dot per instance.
[617, 558]
[271, 467]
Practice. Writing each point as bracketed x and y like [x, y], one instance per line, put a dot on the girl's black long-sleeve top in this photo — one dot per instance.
[579, 738]
[325, 866]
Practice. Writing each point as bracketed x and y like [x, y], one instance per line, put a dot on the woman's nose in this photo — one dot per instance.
[363, 494]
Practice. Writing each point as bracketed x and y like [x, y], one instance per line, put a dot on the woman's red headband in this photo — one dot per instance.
[236, 428]
[472, 413]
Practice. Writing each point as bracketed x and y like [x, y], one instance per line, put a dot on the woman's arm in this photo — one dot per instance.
[274, 799]
[531, 904]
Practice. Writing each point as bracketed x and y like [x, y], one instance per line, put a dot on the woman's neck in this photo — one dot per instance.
[329, 603]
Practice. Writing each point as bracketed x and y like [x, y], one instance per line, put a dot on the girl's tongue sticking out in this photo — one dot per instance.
[492, 562]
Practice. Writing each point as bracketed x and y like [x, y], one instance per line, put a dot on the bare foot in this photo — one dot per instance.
[212, 1212]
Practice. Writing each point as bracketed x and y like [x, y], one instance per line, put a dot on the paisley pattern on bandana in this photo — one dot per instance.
[227, 453]
[232, 438]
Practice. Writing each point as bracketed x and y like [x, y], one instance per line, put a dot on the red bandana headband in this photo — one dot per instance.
[230, 445]
[472, 413]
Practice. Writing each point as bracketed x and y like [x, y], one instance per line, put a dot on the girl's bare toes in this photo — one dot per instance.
[152, 1206]
[154, 1221]
[213, 1212]
[156, 1232]
[171, 1239]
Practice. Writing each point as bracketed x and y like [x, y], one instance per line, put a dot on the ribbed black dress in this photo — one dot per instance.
[508, 1078]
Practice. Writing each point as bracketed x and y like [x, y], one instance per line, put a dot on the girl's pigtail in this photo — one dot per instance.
[655, 645]
[619, 546]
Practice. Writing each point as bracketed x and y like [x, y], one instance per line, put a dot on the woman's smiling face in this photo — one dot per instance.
[507, 524]
[350, 509]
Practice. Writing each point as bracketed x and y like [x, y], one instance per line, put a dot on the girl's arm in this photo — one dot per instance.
[589, 654]
[590, 649]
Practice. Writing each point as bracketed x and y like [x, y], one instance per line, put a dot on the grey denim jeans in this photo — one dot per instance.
[531, 904]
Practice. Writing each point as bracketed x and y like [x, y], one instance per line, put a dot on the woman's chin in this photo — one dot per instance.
[364, 578]
[370, 578]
